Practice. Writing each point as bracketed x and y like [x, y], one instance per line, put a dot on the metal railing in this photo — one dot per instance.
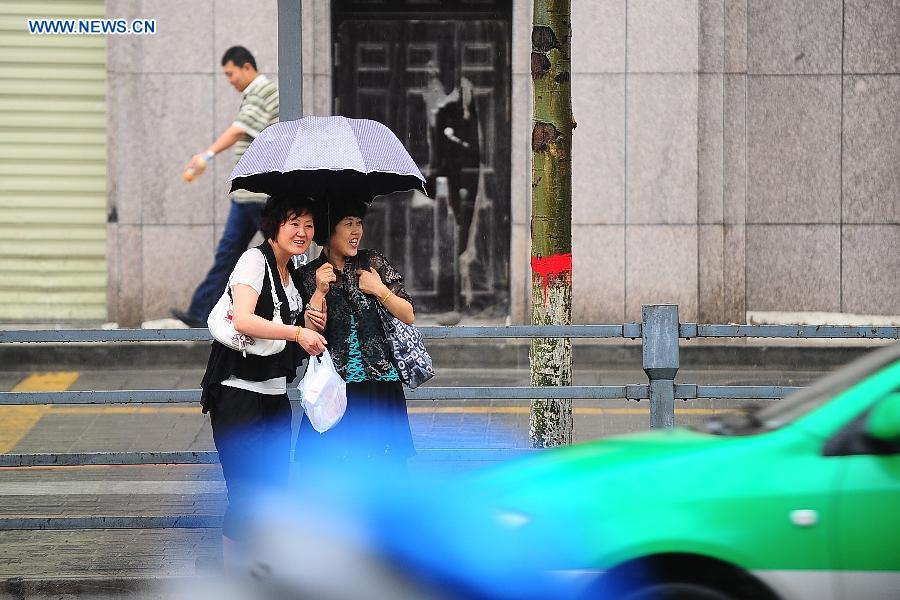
[660, 333]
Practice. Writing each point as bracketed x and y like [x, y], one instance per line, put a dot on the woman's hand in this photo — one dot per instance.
[312, 342]
[316, 319]
[370, 282]
[325, 276]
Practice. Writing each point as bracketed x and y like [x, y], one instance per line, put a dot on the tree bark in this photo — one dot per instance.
[551, 221]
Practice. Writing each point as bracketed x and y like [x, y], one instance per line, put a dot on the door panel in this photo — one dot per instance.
[867, 544]
[442, 85]
[53, 148]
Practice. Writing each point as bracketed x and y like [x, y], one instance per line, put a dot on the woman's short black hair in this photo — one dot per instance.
[278, 209]
[329, 214]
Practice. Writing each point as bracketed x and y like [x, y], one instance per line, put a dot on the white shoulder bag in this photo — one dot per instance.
[221, 325]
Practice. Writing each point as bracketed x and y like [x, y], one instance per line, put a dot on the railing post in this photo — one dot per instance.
[659, 326]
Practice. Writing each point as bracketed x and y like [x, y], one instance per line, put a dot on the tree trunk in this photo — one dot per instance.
[551, 220]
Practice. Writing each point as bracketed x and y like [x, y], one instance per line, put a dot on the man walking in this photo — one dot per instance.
[259, 109]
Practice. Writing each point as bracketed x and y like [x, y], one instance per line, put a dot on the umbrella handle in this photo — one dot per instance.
[337, 272]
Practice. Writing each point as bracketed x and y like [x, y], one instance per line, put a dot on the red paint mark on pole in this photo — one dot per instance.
[547, 267]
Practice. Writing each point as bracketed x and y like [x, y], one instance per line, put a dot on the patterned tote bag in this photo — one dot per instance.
[408, 352]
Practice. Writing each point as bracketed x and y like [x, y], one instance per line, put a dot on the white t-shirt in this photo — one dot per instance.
[251, 270]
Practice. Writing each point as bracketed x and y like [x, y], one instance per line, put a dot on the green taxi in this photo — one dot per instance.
[797, 500]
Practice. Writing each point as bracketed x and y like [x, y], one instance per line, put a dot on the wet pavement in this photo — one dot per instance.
[451, 437]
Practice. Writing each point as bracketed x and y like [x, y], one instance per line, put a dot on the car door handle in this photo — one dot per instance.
[804, 517]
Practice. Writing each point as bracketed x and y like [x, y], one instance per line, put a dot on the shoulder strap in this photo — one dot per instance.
[275, 301]
[269, 256]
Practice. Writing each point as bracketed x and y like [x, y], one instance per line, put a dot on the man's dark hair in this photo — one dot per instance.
[239, 55]
[278, 209]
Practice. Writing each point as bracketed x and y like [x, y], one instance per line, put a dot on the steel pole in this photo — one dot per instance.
[290, 59]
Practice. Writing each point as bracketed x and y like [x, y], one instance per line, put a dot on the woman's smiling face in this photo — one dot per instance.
[346, 237]
[296, 233]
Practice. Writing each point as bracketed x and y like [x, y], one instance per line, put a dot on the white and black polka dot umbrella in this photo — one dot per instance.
[327, 157]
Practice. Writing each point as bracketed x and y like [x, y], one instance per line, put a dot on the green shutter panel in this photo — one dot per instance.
[52, 166]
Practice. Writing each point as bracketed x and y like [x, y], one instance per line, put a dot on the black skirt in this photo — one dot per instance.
[252, 433]
[375, 427]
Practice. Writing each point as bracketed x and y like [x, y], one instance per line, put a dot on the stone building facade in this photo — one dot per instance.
[730, 155]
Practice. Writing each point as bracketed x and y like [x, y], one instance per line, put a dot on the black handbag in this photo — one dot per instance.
[408, 351]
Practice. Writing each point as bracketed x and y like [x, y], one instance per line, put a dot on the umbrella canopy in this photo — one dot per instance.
[328, 158]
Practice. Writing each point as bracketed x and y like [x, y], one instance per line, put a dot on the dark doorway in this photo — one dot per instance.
[438, 74]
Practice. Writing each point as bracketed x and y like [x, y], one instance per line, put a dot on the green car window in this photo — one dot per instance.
[783, 412]
[884, 420]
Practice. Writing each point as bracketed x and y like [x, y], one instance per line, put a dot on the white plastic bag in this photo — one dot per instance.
[323, 393]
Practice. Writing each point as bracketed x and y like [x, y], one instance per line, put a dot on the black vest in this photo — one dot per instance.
[225, 362]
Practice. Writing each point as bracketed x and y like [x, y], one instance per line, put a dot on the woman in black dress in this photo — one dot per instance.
[349, 282]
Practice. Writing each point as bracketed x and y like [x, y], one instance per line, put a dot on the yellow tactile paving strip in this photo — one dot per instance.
[17, 421]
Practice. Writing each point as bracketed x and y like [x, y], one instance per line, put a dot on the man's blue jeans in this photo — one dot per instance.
[242, 225]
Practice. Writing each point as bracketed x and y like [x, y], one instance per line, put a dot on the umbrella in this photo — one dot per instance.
[329, 158]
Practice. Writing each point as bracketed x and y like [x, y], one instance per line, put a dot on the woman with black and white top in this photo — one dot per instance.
[348, 282]
[246, 395]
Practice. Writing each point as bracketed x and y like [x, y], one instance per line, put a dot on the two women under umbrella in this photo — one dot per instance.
[333, 301]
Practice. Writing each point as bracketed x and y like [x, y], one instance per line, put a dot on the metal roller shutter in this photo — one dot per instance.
[52, 166]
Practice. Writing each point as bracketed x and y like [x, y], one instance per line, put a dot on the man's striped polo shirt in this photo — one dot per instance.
[259, 109]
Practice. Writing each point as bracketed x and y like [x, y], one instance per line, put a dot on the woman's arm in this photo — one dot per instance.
[399, 307]
[370, 282]
[316, 314]
[247, 322]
